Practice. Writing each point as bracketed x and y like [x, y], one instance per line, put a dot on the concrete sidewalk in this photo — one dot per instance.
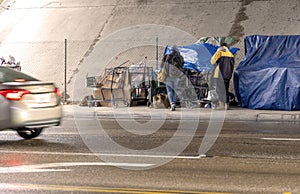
[203, 114]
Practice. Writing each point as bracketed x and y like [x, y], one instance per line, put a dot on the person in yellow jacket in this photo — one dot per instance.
[223, 62]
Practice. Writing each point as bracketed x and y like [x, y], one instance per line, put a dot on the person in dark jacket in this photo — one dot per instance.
[223, 62]
[174, 63]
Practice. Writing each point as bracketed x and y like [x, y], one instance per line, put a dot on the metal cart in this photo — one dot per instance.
[108, 88]
[200, 82]
[192, 89]
[140, 83]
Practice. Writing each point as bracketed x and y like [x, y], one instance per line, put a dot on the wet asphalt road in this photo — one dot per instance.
[247, 157]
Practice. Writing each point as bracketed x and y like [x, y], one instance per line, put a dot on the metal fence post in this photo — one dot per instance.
[156, 52]
[65, 74]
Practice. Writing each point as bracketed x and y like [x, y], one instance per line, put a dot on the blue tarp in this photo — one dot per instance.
[197, 56]
[269, 75]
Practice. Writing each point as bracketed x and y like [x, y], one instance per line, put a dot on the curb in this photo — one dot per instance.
[202, 114]
[278, 117]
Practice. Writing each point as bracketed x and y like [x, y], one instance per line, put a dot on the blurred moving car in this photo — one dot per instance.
[27, 105]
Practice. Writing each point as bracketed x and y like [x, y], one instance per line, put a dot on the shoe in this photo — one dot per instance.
[172, 107]
[219, 106]
[222, 105]
[213, 106]
[226, 106]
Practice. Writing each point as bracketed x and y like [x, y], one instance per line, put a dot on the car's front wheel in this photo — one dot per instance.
[29, 133]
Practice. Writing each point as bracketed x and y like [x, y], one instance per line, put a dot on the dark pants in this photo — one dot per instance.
[226, 84]
[220, 87]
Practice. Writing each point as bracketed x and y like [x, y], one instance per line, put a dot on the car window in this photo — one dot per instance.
[9, 75]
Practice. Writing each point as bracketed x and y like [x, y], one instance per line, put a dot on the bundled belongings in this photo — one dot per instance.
[160, 101]
[269, 76]
[197, 56]
[11, 63]
[121, 85]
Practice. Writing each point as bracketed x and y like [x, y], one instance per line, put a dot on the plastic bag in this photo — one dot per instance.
[161, 75]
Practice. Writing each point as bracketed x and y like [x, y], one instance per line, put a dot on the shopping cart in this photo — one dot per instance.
[140, 78]
[108, 88]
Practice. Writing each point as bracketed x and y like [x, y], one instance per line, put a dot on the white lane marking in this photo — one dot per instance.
[59, 133]
[282, 139]
[46, 132]
[24, 169]
[103, 154]
[54, 167]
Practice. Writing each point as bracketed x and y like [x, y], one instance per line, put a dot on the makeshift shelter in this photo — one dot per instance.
[269, 75]
[197, 56]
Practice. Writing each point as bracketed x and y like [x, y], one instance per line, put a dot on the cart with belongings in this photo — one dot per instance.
[140, 77]
[108, 88]
[120, 86]
[194, 89]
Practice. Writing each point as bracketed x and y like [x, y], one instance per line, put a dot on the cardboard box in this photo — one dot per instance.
[97, 94]
[106, 94]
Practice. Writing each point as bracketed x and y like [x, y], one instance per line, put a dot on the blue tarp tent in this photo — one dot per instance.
[269, 75]
[197, 56]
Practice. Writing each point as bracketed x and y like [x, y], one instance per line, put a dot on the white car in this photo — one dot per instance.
[27, 105]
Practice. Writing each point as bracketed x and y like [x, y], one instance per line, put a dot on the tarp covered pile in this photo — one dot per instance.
[197, 56]
[269, 75]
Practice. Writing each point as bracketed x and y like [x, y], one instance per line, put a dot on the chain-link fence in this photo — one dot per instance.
[53, 61]
[61, 61]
